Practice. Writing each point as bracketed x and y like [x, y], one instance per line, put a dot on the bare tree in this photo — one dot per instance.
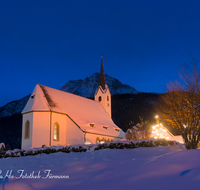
[180, 106]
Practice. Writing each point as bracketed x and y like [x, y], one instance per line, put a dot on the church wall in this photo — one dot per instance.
[27, 143]
[108, 102]
[105, 103]
[41, 126]
[61, 120]
[92, 138]
[69, 133]
[74, 134]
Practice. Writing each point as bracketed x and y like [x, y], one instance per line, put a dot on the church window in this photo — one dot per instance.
[107, 98]
[105, 127]
[56, 132]
[91, 124]
[97, 140]
[99, 98]
[27, 129]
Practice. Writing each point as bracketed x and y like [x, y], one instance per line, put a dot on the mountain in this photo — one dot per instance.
[11, 122]
[127, 108]
[14, 107]
[85, 88]
[88, 86]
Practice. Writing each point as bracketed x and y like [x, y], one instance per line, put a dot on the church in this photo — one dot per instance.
[53, 117]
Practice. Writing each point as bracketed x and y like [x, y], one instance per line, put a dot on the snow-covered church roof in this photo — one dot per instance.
[82, 111]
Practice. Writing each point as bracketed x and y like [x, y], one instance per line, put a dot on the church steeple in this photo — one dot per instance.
[102, 94]
[102, 79]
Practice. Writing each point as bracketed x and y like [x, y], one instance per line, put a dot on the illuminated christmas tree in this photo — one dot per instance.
[159, 131]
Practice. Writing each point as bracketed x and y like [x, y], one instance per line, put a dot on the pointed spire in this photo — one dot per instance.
[102, 79]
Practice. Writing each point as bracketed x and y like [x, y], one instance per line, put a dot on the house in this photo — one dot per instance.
[53, 117]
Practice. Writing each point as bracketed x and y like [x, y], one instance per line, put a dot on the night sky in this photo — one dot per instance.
[50, 42]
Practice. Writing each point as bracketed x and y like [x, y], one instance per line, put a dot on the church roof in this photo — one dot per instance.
[82, 111]
[102, 79]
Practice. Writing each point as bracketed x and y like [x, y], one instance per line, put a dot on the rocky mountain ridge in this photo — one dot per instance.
[85, 88]
[88, 86]
[14, 107]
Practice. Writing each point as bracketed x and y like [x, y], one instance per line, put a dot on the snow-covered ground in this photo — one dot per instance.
[165, 168]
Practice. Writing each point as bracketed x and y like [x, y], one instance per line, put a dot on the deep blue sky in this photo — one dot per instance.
[50, 42]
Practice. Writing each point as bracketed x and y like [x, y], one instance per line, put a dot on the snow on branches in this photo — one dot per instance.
[137, 132]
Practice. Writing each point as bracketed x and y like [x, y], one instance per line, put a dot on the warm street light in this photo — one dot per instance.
[157, 120]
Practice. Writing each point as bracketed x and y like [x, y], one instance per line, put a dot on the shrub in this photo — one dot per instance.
[84, 148]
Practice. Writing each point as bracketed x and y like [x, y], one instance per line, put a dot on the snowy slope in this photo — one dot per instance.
[88, 86]
[166, 168]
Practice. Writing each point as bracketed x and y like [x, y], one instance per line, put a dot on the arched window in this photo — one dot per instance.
[104, 140]
[107, 98]
[99, 98]
[56, 132]
[97, 140]
[27, 129]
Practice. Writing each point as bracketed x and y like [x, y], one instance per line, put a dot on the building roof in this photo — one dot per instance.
[102, 79]
[82, 111]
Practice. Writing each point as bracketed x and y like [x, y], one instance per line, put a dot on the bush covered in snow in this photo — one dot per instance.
[84, 148]
[137, 132]
[135, 144]
[2, 146]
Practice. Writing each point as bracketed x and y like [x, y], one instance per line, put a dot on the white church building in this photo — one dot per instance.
[54, 117]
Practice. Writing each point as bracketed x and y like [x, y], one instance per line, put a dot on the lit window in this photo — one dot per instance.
[105, 127]
[97, 140]
[91, 124]
[117, 130]
[27, 129]
[99, 98]
[56, 132]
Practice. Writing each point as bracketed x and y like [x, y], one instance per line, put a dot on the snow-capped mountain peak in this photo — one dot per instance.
[85, 88]
[88, 86]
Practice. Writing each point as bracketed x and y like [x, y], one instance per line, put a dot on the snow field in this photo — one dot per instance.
[162, 167]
